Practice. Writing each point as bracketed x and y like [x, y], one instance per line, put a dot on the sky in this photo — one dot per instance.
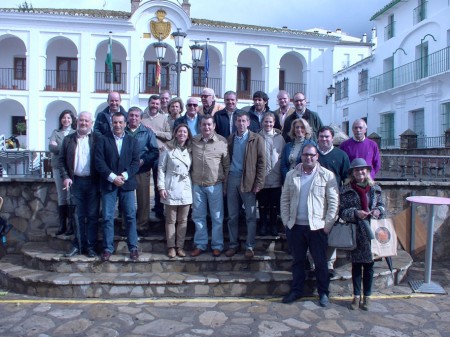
[352, 16]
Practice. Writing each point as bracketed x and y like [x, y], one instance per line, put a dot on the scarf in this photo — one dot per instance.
[362, 193]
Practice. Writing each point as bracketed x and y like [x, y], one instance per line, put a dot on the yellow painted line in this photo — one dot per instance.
[193, 300]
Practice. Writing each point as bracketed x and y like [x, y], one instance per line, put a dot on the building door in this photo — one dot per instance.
[419, 126]
[66, 73]
[244, 82]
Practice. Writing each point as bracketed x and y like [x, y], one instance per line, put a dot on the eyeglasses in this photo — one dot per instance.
[309, 155]
[192, 105]
[300, 100]
[205, 96]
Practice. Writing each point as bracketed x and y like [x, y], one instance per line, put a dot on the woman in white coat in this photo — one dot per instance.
[175, 188]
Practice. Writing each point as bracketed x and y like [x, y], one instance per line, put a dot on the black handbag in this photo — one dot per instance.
[342, 236]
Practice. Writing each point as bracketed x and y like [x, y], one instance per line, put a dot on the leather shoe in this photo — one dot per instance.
[216, 252]
[196, 252]
[134, 255]
[291, 297]
[249, 253]
[74, 251]
[230, 252]
[181, 252]
[323, 300]
[91, 253]
[106, 255]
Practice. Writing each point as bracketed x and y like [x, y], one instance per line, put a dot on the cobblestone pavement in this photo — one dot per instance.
[395, 312]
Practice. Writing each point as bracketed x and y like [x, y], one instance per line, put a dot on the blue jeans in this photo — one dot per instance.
[364, 271]
[205, 196]
[300, 238]
[86, 197]
[127, 201]
[234, 197]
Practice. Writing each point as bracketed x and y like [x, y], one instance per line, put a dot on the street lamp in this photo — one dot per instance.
[178, 67]
[331, 90]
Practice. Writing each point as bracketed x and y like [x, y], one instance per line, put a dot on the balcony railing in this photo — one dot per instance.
[414, 167]
[247, 93]
[419, 143]
[23, 163]
[147, 83]
[293, 88]
[430, 65]
[420, 12]
[8, 81]
[61, 80]
[389, 31]
[213, 83]
[102, 82]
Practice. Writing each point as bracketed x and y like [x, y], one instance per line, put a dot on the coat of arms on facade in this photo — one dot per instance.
[160, 29]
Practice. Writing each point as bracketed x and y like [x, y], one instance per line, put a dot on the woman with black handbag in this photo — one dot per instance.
[361, 200]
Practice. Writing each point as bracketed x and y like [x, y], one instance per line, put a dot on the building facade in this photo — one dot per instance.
[405, 83]
[54, 59]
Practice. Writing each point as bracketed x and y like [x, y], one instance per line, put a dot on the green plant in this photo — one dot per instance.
[21, 127]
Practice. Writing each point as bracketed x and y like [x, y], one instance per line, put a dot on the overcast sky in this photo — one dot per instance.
[352, 16]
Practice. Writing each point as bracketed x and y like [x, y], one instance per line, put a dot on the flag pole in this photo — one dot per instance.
[206, 63]
[109, 62]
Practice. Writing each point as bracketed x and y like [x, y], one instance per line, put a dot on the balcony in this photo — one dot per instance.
[246, 89]
[61, 80]
[420, 12]
[147, 83]
[213, 83]
[103, 82]
[389, 31]
[430, 65]
[293, 88]
[9, 80]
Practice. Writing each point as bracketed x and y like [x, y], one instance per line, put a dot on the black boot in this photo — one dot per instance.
[262, 222]
[273, 217]
[62, 213]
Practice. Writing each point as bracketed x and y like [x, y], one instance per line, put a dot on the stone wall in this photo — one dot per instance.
[30, 205]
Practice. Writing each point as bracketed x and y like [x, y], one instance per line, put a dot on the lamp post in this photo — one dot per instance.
[331, 90]
[178, 67]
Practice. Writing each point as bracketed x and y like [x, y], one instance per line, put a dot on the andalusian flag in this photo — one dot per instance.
[206, 65]
[108, 60]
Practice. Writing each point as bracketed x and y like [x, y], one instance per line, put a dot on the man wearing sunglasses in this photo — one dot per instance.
[191, 118]
[209, 104]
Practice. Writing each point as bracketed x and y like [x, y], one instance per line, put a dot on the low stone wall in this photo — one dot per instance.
[30, 205]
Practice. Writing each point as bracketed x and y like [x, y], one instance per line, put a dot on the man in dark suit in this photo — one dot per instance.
[76, 165]
[117, 161]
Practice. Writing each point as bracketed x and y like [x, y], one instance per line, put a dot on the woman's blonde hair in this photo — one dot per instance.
[304, 122]
[351, 178]
[173, 143]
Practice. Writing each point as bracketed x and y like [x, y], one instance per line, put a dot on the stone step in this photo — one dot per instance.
[41, 256]
[17, 277]
[156, 242]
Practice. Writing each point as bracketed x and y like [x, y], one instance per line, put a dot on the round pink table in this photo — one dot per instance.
[427, 286]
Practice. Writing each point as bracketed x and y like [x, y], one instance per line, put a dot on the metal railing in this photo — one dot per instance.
[214, 83]
[61, 80]
[147, 83]
[420, 12]
[411, 143]
[247, 92]
[8, 81]
[102, 82]
[430, 65]
[413, 167]
[24, 163]
[292, 88]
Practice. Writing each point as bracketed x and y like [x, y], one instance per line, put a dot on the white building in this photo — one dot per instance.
[54, 59]
[405, 83]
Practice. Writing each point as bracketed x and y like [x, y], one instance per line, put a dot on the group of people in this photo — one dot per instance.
[219, 159]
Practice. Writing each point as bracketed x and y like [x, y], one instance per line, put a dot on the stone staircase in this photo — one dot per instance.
[42, 270]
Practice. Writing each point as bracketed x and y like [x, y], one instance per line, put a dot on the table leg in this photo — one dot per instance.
[428, 286]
